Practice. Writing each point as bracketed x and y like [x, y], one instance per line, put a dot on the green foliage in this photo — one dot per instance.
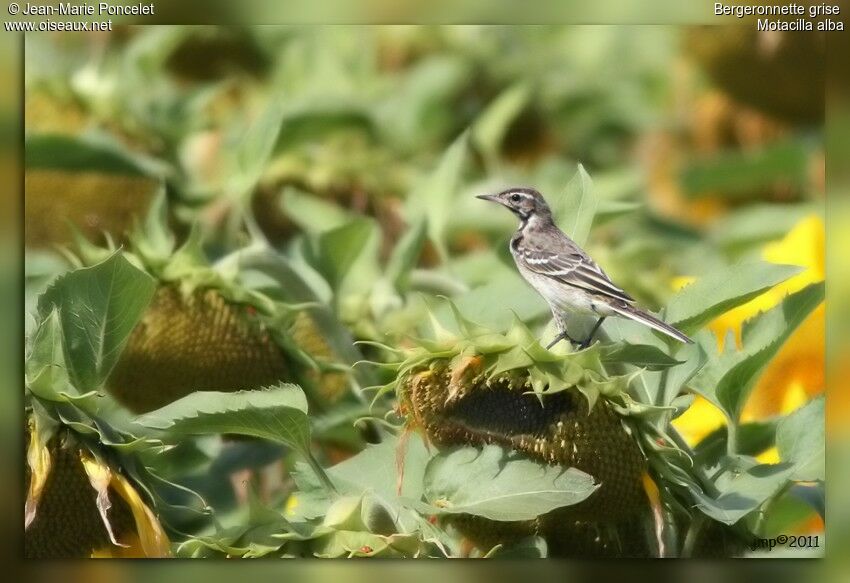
[800, 440]
[737, 175]
[489, 130]
[334, 252]
[718, 292]
[758, 224]
[371, 145]
[640, 355]
[254, 149]
[743, 490]
[97, 307]
[86, 153]
[493, 303]
[311, 213]
[276, 413]
[46, 371]
[495, 484]
[752, 439]
[406, 254]
[575, 210]
[434, 197]
[728, 379]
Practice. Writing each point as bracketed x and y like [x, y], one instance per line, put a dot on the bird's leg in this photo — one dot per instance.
[558, 338]
[562, 330]
[586, 342]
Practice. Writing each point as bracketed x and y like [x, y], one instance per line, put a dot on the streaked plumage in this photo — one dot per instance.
[569, 280]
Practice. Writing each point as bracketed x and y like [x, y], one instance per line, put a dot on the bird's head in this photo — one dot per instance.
[523, 202]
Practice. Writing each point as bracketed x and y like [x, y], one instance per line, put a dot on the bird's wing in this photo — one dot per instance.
[572, 268]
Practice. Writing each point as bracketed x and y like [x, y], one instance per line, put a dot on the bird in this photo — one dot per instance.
[560, 271]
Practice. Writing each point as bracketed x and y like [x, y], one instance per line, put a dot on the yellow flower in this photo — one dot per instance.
[699, 420]
[796, 373]
[803, 246]
[702, 418]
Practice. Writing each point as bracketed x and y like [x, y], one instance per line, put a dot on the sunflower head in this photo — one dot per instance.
[80, 505]
[477, 387]
[206, 329]
[186, 342]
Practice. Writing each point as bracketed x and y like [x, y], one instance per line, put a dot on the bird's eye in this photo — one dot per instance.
[514, 198]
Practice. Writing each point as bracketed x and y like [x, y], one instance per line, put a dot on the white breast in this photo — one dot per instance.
[562, 296]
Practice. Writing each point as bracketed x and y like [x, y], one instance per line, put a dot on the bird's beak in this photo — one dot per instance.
[490, 197]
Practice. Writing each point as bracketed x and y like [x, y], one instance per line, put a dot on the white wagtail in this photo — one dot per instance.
[562, 272]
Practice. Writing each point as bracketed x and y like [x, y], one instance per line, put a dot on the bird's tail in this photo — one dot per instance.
[633, 313]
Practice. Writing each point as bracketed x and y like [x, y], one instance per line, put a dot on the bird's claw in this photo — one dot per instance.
[558, 338]
[578, 344]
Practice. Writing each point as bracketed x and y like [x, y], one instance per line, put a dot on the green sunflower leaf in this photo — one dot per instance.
[96, 153]
[277, 413]
[334, 252]
[434, 197]
[98, 308]
[641, 355]
[46, 373]
[728, 379]
[743, 489]
[254, 148]
[406, 254]
[492, 125]
[800, 440]
[576, 208]
[715, 293]
[496, 484]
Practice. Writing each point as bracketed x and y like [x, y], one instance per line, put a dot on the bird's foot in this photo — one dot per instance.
[585, 343]
[589, 340]
[559, 337]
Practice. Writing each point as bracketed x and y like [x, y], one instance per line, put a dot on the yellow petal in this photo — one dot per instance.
[654, 496]
[154, 541]
[100, 476]
[804, 246]
[770, 456]
[795, 398]
[291, 505]
[699, 420]
[38, 459]
[132, 549]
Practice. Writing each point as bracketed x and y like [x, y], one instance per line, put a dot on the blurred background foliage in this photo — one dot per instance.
[356, 152]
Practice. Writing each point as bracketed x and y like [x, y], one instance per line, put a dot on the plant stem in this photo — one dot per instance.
[707, 484]
[731, 436]
[320, 472]
[661, 395]
[765, 508]
[691, 537]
